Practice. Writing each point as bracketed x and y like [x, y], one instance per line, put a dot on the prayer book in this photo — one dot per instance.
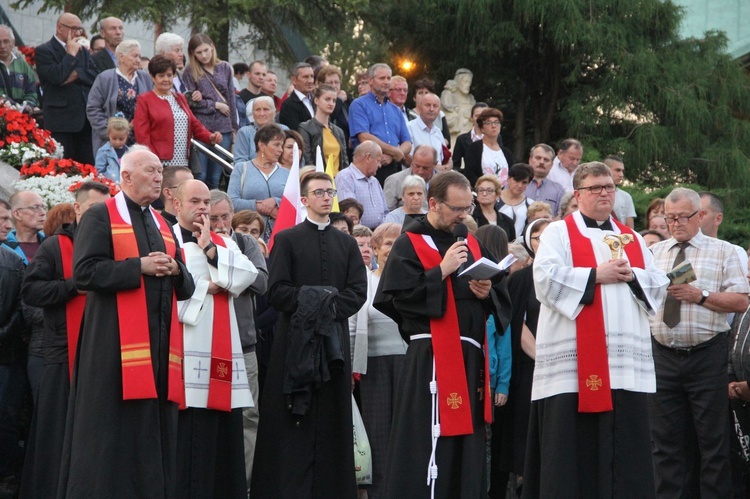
[487, 269]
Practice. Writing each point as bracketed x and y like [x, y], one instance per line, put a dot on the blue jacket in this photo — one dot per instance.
[500, 357]
[107, 163]
[12, 244]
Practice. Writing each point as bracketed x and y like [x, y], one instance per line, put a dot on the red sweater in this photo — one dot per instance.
[153, 124]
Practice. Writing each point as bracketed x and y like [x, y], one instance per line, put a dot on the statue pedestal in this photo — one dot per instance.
[8, 177]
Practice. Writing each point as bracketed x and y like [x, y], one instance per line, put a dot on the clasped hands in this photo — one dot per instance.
[457, 255]
[159, 264]
[614, 271]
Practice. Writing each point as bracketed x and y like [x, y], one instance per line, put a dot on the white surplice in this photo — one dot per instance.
[560, 287]
[234, 273]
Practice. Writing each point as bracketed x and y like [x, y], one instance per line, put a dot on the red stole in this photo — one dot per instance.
[75, 306]
[594, 389]
[220, 383]
[450, 372]
[132, 316]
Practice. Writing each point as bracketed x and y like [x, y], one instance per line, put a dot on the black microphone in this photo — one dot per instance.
[460, 231]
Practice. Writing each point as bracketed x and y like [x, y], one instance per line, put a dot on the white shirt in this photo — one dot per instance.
[306, 101]
[561, 175]
[623, 206]
[421, 135]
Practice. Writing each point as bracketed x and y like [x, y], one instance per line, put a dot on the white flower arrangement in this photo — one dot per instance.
[54, 189]
[18, 154]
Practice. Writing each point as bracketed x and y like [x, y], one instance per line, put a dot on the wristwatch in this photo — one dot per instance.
[704, 295]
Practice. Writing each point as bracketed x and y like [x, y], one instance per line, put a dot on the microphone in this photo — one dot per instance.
[460, 231]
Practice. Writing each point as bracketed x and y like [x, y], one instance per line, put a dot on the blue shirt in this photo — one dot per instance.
[384, 121]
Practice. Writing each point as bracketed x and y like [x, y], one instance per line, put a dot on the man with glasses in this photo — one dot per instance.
[358, 181]
[66, 72]
[439, 312]
[29, 213]
[597, 285]
[304, 446]
[689, 417]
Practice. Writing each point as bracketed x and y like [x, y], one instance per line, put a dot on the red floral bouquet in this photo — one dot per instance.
[17, 127]
[29, 53]
[113, 187]
[54, 166]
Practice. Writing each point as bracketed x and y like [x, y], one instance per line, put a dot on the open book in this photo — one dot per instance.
[682, 274]
[487, 269]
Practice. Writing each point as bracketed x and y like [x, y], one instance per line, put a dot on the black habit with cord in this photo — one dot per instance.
[45, 287]
[310, 456]
[411, 297]
[210, 445]
[115, 447]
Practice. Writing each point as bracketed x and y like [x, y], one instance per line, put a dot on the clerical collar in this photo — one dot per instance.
[187, 235]
[320, 225]
[594, 224]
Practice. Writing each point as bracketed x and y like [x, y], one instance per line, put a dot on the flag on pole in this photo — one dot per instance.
[291, 212]
[319, 160]
[331, 168]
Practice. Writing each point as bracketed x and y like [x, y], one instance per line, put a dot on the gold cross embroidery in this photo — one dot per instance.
[454, 400]
[594, 382]
[221, 370]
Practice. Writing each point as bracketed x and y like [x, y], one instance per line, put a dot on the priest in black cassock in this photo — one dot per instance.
[48, 283]
[120, 438]
[310, 455]
[437, 443]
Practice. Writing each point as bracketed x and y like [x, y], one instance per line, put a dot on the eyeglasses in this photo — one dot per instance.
[319, 193]
[458, 210]
[597, 189]
[680, 220]
[486, 191]
[224, 218]
[74, 28]
[38, 208]
[492, 123]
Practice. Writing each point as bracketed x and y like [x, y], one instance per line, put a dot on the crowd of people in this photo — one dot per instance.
[177, 340]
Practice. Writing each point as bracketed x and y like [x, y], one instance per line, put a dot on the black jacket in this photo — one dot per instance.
[103, 61]
[312, 136]
[293, 112]
[12, 324]
[315, 351]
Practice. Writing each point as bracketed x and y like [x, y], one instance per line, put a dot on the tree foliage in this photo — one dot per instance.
[613, 73]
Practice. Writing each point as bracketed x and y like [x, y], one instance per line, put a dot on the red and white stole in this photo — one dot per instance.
[594, 388]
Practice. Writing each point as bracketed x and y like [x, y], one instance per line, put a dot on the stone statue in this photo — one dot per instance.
[457, 103]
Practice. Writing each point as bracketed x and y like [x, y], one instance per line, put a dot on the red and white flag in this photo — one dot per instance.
[291, 211]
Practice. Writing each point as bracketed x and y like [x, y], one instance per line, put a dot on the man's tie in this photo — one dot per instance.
[671, 304]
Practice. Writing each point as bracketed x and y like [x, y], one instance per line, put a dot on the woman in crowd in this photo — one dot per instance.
[258, 184]
[116, 91]
[538, 209]
[413, 191]
[378, 354]
[321, 132]
[163, 120]
[464, 140]
[331, 75]
[363, 235]
[568, 204]
[352, 209]
[487, 209]
[263, 111]
[250, 223]
[523, 325]
[287, 156]
[341, 222]
[655, 209]
[212, 100]
[487, 156]
[513, 200]
[499, 348]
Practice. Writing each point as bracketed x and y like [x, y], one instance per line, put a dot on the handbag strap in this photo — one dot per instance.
[210, 80]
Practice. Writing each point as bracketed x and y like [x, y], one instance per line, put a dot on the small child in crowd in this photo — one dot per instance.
[108, 156]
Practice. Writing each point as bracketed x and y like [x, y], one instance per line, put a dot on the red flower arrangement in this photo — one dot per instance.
[54, 166]
[113, 187]
[29, 53]
[17, 127]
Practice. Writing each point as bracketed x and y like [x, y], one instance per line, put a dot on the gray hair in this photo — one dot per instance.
[518, 251]
[564, 202]
[412, 181]
[12, 36]
[218, 196]
[167, 41]
[126, 46]
[361, 231]
[366, 147]
[128, 162]
[570, 144]
[263, 98]
[544, 147]
[378, 65]
[297, 67]
[681, 193]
